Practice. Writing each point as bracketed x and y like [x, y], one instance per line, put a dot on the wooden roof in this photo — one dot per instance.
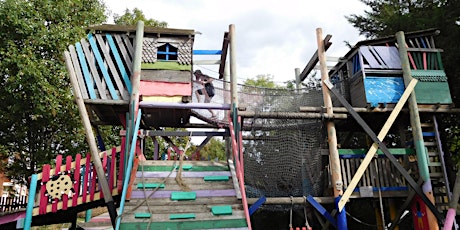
[147, 30]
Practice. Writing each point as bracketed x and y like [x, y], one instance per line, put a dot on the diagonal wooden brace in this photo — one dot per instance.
[378, 143]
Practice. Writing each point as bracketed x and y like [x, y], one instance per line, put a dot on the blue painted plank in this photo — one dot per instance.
[104, 71]
[85, 70]
[256, 205]
[383, 89]
[121, 67]
[428, 134]
[207, 52]
[321, 210]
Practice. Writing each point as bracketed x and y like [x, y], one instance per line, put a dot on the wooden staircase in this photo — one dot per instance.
[158, 202]
[438, 175]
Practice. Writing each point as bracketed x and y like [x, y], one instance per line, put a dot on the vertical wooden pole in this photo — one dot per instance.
[233, 78]
[297, 79]
[334, 160]
[419, 144]
[91, 140]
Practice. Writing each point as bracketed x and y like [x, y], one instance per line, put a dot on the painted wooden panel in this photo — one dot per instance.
[381, 57]
[383, 89]
[149, 88]
[139, 194]
[167, 76]
[162, 98]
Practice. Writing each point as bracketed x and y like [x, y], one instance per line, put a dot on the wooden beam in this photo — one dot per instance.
[314, 59]
[370, 154]
[223, 56]
[290, 115]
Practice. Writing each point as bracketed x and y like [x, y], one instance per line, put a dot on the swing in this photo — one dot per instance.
[307, 226]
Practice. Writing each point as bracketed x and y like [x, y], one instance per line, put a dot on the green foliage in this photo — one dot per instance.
[38, 118]
[215, 149]
[261, 80]
[131, 18]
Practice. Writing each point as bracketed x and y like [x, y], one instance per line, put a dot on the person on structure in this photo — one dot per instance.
[207, 90]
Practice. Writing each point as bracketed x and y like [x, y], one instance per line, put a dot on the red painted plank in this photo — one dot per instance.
[113, 161]
[139, 153]
[43, 198]
[151, 88]
[93, 184]
[85, 179]
[56, 172]
[76, 178]
[121, 162]
[132, 178]
[68, 167]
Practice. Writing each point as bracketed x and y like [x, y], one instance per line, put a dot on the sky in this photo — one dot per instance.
[272, 36]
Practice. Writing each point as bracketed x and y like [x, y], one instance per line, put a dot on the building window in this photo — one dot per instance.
[167, 52]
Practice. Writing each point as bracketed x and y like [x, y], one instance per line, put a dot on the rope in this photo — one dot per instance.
[305, 213]
[156, 189]
[290, 213]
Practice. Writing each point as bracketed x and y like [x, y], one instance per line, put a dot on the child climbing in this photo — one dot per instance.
[207, 90]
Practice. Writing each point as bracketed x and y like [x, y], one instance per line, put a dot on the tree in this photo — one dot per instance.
[215, 149]
[38, 118]
[131, 18]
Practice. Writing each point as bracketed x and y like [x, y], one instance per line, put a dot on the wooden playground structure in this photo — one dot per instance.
[141, 79]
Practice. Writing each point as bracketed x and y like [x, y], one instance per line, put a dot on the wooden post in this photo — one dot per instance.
[297, 79]
[419, 144]
[334, 160]
[90, 138]
[233, 78]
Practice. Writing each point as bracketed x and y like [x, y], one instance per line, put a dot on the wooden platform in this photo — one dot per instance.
[209, 204]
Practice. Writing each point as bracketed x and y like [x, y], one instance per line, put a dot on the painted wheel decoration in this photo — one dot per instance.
[59, 185]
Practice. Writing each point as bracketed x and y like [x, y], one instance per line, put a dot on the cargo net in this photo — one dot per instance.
[282, 157]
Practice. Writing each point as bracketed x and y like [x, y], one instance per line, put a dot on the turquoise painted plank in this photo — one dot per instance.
[216, 178]
[207, 52]
[142, 215]
[85, 70]
[182, 216]
[121, 67]
[150, 185]
[104, 71]
[185, 167]
[222, 210]
[183, 195]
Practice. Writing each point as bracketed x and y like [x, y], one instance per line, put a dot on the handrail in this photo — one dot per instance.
[239, 170]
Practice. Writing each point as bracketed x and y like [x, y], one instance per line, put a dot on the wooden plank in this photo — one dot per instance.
[216, 178]
[182, 216]
[167, 193]
[112, 173]
[87, 171]
[184, 174]
[167, 76]
[102, 68]
[128, 44]
[125, 54]
[92, 189]
[236, 224]
[142, 215]
[314, 59]
[195, 186]
[84, 67]
[183, 195]
[150, 185]
[132, 178]
[189, 168]
[167, 203]
[119, 61]
[65, 197]
[370, 154]
[111, 66]
[223, 56]
[43, 197]
[57, 166]
[373, 63]
[77, 70]
[77, 179]
[92, 67]
[221, 210]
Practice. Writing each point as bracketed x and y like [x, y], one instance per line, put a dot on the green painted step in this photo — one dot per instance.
[216, 178]
[185, 167]
[186, 225]
[163, 168]
[142, 215]
[182, 216]
[183, 195]
[150, 185]
[394, 151]
[221, 210]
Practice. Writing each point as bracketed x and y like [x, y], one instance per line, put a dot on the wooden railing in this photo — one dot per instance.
[8, 204]
[75, 182]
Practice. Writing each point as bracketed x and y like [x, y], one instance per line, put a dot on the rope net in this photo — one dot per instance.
[282, 157]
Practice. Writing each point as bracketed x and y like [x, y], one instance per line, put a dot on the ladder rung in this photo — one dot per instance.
[142, 215]
[426, 124]
[436, 174]
[434, 164]
[182, 216]
[428, 134]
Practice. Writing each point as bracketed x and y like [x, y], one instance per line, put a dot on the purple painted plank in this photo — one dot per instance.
[373, 63]
[184, 174]
[179, 105]
[138, 194]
